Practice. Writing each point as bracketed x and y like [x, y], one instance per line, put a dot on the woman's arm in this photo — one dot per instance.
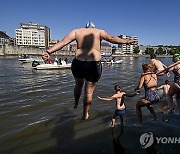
[141, 82]
[131, 95]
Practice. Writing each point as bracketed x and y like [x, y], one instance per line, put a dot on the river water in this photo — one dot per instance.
[37, 114]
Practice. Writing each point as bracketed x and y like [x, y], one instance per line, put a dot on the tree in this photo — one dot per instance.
[160, 51]
[149, 51]
[136, 50]
[174, 50]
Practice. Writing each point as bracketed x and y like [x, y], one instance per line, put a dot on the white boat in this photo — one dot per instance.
[112, 62]
[52, 66]
[28, 59]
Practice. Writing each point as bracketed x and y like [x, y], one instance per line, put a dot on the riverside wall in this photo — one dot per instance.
[6, 50]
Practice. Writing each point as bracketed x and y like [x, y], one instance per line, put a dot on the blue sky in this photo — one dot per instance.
[153, 21]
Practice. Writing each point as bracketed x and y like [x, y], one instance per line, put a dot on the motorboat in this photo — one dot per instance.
[27, 59]
[54, 65]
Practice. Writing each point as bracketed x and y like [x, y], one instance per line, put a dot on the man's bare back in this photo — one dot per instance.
[88, 44]
[158, 64]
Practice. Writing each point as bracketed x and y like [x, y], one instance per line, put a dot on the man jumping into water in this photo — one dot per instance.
[86, 66]
[158, 65]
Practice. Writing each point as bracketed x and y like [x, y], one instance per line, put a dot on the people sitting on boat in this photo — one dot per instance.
[48, 61]
[66, 60]
[113, 59]
[63, 62]
[60, 61]
[24, 56]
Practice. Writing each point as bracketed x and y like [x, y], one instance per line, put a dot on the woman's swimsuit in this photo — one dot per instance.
[176, 77]
[151, 95]
[89, 70]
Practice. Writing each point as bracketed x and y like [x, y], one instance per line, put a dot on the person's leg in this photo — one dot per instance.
[178, 103]
[121, 119]
[152, 112]
[172, 91]
[78, 90]
[113, 122]
[87, 100]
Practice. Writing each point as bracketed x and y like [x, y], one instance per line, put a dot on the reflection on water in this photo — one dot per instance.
[37, 114]
[118, 148]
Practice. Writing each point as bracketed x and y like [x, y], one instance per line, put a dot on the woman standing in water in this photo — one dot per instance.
[148, 79]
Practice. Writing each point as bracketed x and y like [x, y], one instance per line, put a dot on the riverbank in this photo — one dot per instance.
[16, 50]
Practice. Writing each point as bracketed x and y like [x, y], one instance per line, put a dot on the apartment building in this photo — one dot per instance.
[106, 48]
[4, 38]
[33, 35]
[128, 49]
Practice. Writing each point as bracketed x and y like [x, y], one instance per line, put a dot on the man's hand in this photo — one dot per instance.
[45, 55]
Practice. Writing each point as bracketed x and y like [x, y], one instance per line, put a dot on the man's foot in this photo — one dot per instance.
[112, 125]
[75, 105]
[85, 117]
[138, 125]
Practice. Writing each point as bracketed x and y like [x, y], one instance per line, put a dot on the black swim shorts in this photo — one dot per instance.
[89, 70]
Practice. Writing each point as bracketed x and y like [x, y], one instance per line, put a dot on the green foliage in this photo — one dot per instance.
[136, 50]
[149, 51]
[174, 50]
[160, 51]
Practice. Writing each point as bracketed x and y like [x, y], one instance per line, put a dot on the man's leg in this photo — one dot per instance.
[87, 100]
[78, 90]
[172, 91]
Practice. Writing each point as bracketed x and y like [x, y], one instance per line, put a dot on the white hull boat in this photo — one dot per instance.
[29, 60]
[52, 66]
[112, 62]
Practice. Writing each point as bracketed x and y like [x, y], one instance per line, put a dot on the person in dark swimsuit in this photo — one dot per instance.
[149, 80]
[175, 86]
[89, 70]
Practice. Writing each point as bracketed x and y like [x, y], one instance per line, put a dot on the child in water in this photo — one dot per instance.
[120, 106]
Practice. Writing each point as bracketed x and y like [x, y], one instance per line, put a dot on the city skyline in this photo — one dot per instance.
[154, 22]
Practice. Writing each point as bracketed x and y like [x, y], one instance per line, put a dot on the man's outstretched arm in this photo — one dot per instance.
[115, 39]
[66, 40]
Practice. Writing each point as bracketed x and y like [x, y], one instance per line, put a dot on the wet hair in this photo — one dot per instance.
[148, 66]
[90, 24]
[153, 56]
[167, 82]
[117, 88]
